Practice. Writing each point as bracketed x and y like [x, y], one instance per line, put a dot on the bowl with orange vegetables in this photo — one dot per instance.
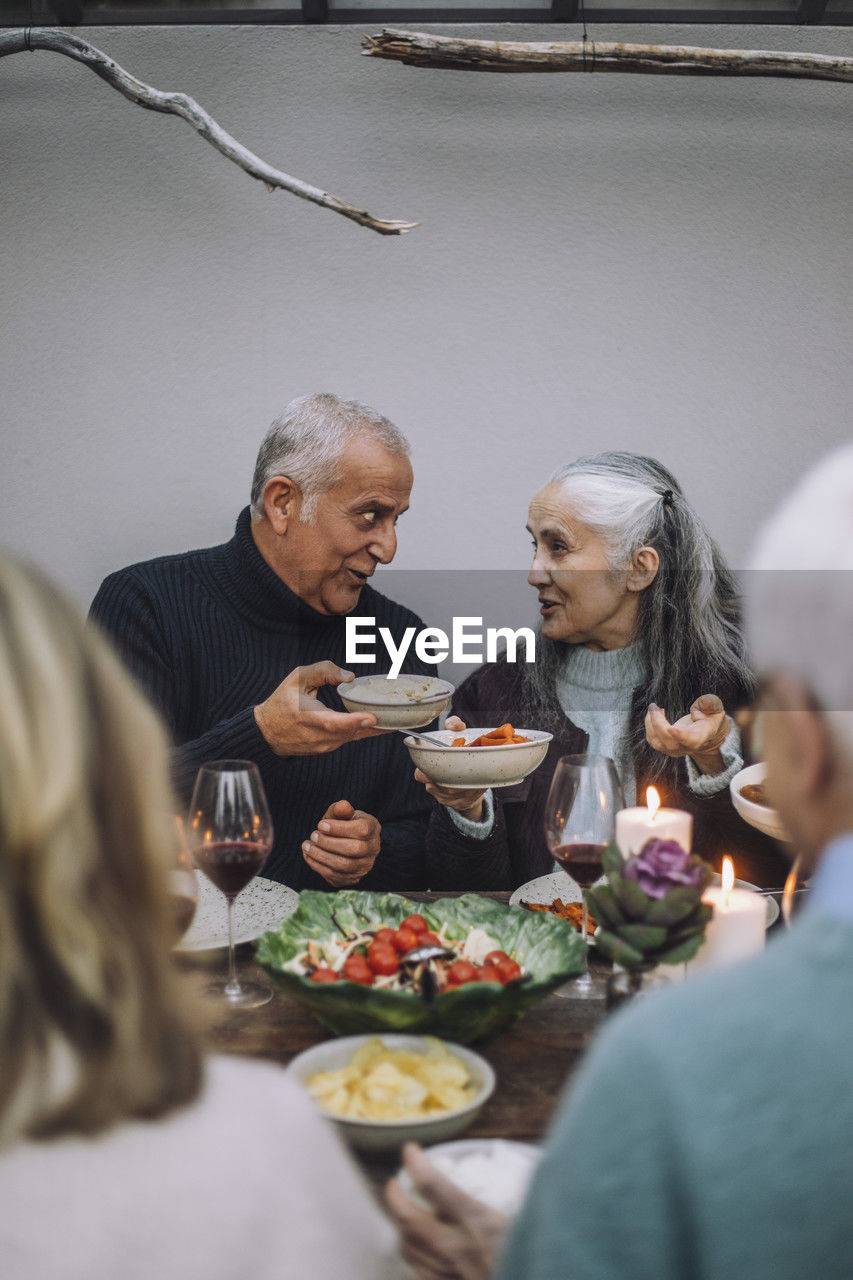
[471, 758]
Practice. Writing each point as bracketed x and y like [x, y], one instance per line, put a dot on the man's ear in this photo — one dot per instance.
[644, 566]
[806, 738]
[282, 501]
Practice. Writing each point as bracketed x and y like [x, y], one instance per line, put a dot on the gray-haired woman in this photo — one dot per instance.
[640, 657]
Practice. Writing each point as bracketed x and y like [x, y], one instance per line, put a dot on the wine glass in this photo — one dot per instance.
[580, 822]
[230, 835]
[183, 886]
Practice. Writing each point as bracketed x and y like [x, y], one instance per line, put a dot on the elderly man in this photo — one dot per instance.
[241, 647]
[710, 1132]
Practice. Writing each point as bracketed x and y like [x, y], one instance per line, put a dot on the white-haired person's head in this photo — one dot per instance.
[799, 612]
[307, 442]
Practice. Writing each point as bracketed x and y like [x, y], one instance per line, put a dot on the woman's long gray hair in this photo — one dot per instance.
[689, 617]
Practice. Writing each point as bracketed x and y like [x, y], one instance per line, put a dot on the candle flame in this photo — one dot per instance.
[728, 875]
[653, 801]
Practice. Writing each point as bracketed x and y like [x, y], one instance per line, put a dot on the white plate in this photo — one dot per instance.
[262, 905]
[454, 1160]
[559, 885]
[546, 888]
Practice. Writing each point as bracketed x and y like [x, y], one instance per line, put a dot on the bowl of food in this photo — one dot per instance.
[400, 702]
[483, 758]
[496, 1171]
[384, 1091]
[750, 801]
[460, 968]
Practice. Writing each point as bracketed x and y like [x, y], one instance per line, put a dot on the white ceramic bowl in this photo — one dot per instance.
[466, 1163]
[463, 767]
[406, 702]
[757, 815]
[389, 1135]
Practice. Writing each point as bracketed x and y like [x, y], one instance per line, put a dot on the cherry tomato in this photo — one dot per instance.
[460, 972]
[416, 923]
[508, 971]
[496, 957]
[488, 973]
[405, 940]
[384, 936]
[382, 958]
[428, 939]
[356, 969]
[324, 975]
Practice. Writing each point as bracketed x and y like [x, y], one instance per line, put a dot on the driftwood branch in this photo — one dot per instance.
[179, 104]
[418, 49]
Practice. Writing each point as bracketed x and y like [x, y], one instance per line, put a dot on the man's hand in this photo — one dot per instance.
[344, 847]
[699, 734]
[469, 803]
[295, 722]
[457, 1238]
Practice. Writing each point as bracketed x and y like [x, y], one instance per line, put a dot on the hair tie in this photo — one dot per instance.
[667, 497]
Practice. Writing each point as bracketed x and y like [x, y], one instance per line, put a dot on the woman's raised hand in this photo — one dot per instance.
[700, 734]
[468, 803]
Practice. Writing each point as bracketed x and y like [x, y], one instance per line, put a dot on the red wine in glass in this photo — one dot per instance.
[231, 864]
[581, 861]
[230, 837]
[580, 822]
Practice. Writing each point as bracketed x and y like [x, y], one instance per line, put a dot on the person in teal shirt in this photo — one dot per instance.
[709, 1133]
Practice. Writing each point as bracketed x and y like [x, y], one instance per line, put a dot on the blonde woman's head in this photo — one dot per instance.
[91, 1026]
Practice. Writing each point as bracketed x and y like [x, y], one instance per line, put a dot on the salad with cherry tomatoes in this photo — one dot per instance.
[409, 957]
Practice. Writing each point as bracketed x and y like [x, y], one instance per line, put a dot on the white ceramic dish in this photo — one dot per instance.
[545, 889]
[262, 905]
[464, 767]
[406, 702]
[757, 815]
[389, 1135]
[466, 1163]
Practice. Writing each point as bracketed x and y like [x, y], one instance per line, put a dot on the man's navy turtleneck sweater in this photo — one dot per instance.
[209, 634]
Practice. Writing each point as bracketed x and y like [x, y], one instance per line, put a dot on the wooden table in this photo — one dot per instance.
[532, 1060]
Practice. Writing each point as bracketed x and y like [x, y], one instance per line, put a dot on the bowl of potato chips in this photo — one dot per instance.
[382, 1091]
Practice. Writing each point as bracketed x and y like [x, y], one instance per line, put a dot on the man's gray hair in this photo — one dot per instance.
[799, 591]
[307, 442]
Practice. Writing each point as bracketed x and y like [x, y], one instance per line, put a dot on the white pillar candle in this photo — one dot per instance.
[649, 822]
[737, 929]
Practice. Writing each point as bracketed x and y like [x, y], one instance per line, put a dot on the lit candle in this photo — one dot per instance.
[647, 822]
[737, 928]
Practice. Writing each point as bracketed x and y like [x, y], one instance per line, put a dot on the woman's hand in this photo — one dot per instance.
[699, 734]
[468, 803]
[457, 1238]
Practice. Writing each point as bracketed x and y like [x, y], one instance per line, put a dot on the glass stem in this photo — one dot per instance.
[585, 925]
[232, 986]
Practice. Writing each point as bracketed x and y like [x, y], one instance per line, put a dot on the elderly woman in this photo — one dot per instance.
[122, 1152]
[640, 657]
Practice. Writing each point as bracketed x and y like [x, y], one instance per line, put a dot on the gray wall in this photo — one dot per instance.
[604, 261]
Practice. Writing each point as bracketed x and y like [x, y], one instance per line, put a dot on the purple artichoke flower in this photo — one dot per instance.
[662, 865]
